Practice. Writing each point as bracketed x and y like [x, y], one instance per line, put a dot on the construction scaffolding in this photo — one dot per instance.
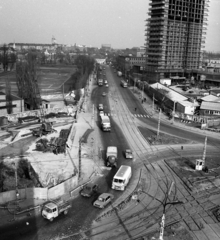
[175, 36]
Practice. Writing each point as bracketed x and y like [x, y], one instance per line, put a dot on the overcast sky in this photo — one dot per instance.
[120, 23]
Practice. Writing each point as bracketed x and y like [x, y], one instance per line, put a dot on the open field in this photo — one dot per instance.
[50, 79]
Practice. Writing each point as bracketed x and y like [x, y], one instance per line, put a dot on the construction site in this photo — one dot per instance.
[44, 129]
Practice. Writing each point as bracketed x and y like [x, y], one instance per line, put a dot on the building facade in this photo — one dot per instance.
[175, 37]
[128, 63]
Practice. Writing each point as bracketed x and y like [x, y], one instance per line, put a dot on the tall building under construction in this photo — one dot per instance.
[175, 36]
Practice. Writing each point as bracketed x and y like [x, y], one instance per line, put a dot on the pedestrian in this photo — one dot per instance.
[135, 109]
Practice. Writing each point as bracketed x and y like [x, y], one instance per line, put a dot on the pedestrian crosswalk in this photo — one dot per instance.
[135, 115]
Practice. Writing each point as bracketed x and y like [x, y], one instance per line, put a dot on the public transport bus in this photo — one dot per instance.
[124, 83]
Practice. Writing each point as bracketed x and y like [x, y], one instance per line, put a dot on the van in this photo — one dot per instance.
[121, 178]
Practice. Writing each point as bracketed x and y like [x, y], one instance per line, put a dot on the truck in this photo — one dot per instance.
[119, 73]
[111, 156]
[105, 123]
[54, 208]
[124, 83]
[100, 82]
[121, 178]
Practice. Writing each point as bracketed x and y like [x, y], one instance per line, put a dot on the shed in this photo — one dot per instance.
[210, 108]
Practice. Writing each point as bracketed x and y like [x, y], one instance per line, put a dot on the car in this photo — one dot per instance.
[106, 82]
[100, 107]
[190, 92]
[104, 94]
[106, 85]
[103, 200]
[128, 154]
[89, 190]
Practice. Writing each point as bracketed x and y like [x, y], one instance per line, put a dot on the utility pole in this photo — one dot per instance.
[142, 95]
[158, 128]
[204, 151]
[134, 83]
[16, 180]
[80, 157]
[174, 105]
[153, 104]
[93, 115]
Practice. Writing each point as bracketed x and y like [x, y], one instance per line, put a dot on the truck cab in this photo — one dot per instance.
[52, 210]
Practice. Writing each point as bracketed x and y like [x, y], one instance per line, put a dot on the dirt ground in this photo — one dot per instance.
[162, 139]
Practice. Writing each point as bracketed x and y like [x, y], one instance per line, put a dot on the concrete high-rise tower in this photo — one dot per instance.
[175, 37]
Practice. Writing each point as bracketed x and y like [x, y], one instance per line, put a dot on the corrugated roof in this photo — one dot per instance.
[210, 98]
[172, 95]
[214, 106]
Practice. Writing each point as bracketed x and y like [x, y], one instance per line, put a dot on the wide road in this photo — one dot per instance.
[82, 213]
[120, 102]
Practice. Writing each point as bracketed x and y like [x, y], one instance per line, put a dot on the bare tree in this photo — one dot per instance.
[27, 81]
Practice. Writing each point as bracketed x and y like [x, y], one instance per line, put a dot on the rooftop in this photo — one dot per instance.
[214, 106]
[170, 93]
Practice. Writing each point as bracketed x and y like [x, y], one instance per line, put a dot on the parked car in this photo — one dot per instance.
[103, 200]
[106, 85]
[106, 82]
[100, 107]
[104, 94]
[89, 189]
[128, 154]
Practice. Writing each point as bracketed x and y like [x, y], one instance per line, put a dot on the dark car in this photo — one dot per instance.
[89, 189]
[217, 214]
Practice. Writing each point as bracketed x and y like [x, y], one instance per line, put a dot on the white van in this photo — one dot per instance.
[121, 178]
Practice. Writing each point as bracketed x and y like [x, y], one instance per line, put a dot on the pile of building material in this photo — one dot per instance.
[56, 144]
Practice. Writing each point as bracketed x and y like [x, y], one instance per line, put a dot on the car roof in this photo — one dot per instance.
[128, 150]
[104, 195]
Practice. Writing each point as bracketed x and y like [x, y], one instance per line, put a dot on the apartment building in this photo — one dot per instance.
[175, 36]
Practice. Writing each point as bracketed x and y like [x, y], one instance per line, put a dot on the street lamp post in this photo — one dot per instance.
[174, 106]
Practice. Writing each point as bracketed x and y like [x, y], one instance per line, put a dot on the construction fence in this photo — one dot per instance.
[40, 193]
